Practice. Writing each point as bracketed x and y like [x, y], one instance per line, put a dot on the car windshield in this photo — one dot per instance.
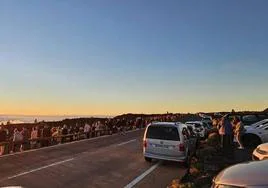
[163, 133]
[257, 124]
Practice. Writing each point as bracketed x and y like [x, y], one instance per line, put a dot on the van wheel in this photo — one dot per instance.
[147, 159]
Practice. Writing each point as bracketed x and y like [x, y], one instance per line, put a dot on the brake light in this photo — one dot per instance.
[144, 143]
[181, 147]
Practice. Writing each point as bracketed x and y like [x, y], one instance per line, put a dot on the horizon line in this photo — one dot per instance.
[86, 115]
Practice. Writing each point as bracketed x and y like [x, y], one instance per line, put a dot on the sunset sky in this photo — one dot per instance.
[143, 56]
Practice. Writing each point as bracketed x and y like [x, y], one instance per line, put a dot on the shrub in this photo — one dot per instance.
[187, 185]
[194, 171]
[202, 153]
[198, 165]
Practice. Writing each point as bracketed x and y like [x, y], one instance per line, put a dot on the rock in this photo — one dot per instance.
[202, 153]
[213, 139]
[174, 184]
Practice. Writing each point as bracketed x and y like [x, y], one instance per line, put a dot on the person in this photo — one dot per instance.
[54, 133]
[46, 135]
[64, 132]
[239, 130]
[87, 130]
[71, 132]
[76, 131]
[17, 140]
[25, 143]
[34, 136]
[93, 130]
[138, 122]
[3, 137]
[98, 128]
[123, 130]
[226, 131]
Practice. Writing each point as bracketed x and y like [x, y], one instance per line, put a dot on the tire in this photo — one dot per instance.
[147, 159]
[251, 140]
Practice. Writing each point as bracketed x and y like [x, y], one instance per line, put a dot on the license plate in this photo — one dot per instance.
[157, 145]
[163, 146]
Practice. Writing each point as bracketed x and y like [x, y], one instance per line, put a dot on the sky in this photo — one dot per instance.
[111, 57]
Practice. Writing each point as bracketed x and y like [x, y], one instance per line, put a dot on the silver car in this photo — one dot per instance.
[250, 175]
[168, 141]
[198, 128]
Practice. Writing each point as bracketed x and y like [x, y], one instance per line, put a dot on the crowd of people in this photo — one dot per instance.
[229, 129]
[43, 134]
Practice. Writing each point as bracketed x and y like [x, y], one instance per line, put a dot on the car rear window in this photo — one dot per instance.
[163, 133]
[197, 125]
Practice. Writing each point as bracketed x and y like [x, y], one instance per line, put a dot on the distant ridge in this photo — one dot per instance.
[11, 122]
[20, 119]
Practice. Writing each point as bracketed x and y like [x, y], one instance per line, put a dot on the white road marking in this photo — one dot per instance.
[139, 178]
[59, 145]
[124, 143]
[40, 168]
[74, 157]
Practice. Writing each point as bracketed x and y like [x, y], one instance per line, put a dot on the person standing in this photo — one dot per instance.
[87, 130]
[226, 131]
[64, 132]
[239, 130]
[3, 137]
[25, 143]
[34, 136]
[46, 136]
[76, 131]
[16, 140]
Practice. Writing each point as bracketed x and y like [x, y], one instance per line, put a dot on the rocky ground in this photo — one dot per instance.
[208, 162]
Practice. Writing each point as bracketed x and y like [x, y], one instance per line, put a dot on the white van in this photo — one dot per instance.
[168, 141]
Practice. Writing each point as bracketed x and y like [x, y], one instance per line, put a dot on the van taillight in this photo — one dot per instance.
[181, 147]
[144, 143]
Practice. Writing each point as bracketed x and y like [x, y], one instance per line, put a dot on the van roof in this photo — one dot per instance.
[175, 124]
[193, 122]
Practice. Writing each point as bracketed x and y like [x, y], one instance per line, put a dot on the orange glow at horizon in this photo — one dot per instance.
[115, 108]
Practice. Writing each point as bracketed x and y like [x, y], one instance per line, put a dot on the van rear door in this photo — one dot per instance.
[163, 140]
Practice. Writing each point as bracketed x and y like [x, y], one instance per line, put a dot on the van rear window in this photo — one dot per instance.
[163, 133]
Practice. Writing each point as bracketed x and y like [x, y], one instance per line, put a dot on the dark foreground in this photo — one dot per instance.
[109, 161]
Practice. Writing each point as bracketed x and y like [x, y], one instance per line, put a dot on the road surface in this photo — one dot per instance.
[108, 161]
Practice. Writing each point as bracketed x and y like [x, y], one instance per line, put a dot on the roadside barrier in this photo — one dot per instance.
[18, 146]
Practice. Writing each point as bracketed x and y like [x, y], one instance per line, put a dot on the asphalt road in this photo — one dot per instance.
[109, 161]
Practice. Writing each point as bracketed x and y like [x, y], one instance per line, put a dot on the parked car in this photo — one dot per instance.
[260, 153]
[208, 126]
[168, 141]
[256, 134]
[250, 119]
[205, 118]
[198, 128]
[251, 175]
[259, 123]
